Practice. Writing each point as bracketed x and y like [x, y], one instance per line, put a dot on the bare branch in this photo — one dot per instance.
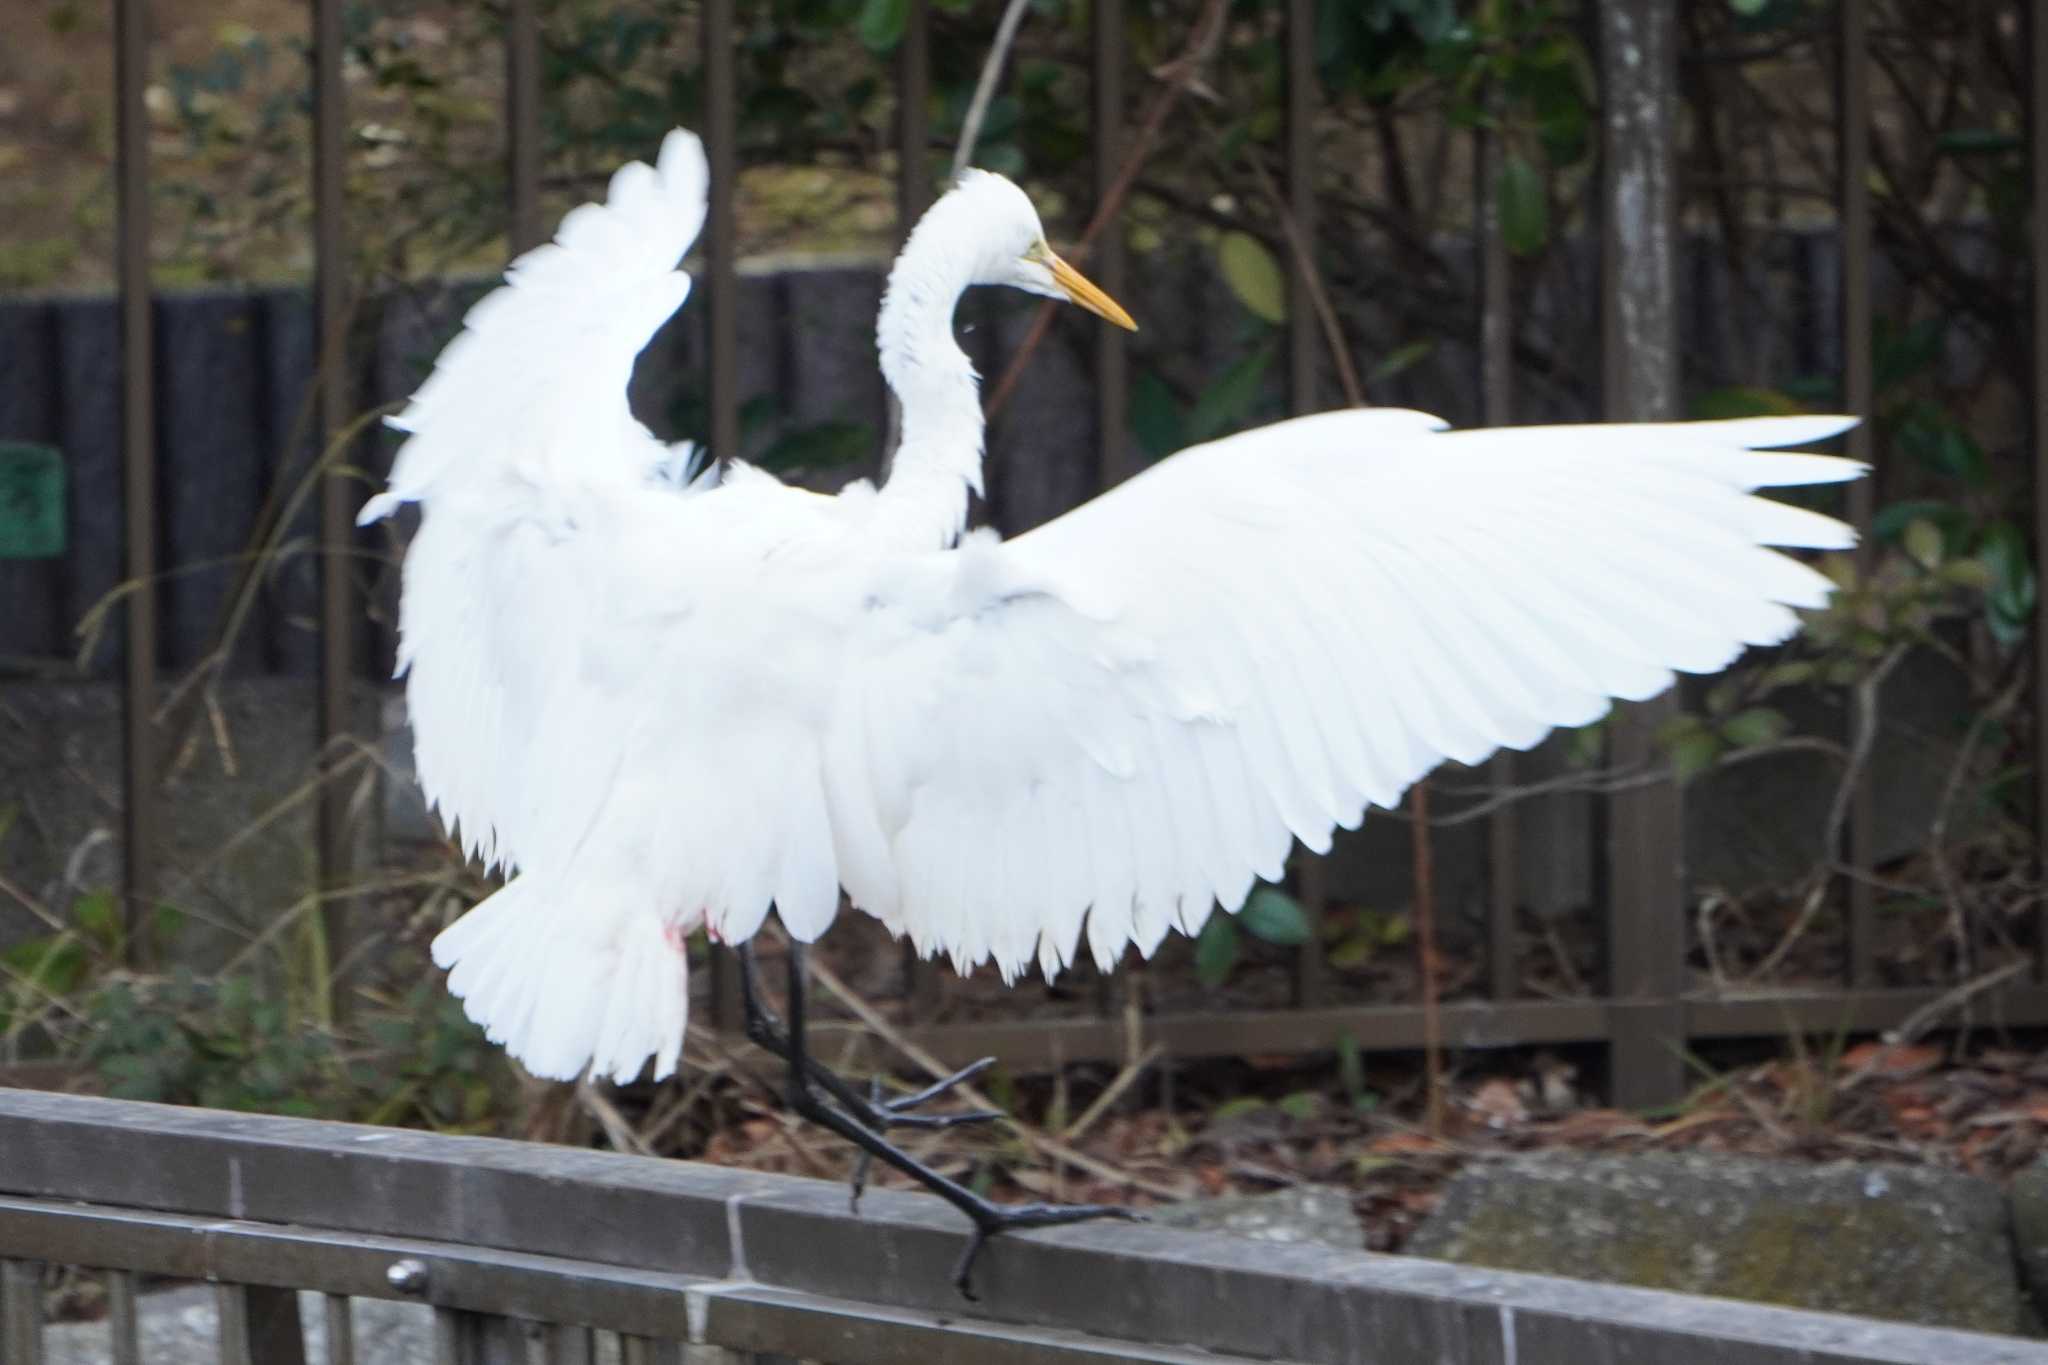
[985, 88]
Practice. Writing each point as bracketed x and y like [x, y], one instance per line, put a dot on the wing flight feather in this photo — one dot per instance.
[1258, 639]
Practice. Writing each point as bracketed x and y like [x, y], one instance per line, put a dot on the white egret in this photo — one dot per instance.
[662, 704]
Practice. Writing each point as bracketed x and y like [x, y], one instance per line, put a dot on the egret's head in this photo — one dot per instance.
[1015, 251]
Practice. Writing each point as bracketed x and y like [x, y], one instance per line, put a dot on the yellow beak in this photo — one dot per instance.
[1082, 291]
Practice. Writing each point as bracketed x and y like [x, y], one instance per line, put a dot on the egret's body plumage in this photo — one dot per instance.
[662, 703]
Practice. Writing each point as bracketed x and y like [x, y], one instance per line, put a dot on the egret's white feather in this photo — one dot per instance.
[666, 701]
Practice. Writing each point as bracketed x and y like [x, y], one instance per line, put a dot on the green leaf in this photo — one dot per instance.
[1947, 449]
[1253, 275]
[170, 923]
[1524, 208]
[1744, 400]
[881, 23]
[1353, 952]
[1228, 402]
[96, 916]
[1273, 916]
[1923, 542]
[1891, 521]
[1399, 359]
[1749, 9]
[1585, 744]
[1679, 726]
[823, 445]
[1216, 951]
[1004, 158]
[1788, 674]
[1155, 416]
[1898, 353]
[1350, 1065]
[1548, 82]
[54, 963]
[1973, 574]
[1694, 753]
[1757, 725]
[1237, 1108]
[1303, 1106]
[2010, 603]
[1978, 141]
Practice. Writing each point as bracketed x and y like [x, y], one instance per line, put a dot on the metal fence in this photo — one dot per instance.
[528, 1253]
[1646, 1014]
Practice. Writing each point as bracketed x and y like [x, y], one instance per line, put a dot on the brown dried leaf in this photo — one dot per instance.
[1499, 1102]
[1892, 1061]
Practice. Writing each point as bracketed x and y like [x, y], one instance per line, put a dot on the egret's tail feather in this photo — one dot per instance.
[564, 986]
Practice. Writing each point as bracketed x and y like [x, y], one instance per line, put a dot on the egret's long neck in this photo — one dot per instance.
[939, 457]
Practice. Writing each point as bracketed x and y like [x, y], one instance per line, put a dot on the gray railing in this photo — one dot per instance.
[526, 1251]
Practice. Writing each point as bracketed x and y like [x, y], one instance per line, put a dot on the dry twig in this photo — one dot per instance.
[1125, 1079]
[985, 88]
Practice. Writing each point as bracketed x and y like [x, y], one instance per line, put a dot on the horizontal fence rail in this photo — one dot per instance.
[511, 1242]
[1039, 1043]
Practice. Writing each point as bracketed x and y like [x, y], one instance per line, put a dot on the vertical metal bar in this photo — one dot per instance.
[721, 251]
[913, 116]
[563, 1344]
[341, 1329]
[1311, 882]
[924, 987]
[276, 1336]
[1853, 125]
[1112, 358]
[1638, 342]
[337, 620]
[721, 315]
[231, 1309]
[2037, 153]
[1303, 345]
[21, 1312]
[448, 1343]
[522, 123]
[1497, 406]
[648, 1351]
[138, 461]
[259, 1325]
[123, 1327]
[463, 1338]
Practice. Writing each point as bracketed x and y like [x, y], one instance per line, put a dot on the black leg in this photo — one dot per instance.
[805, 1080]
[766, 1032]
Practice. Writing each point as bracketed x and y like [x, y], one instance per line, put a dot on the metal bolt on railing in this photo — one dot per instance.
[408, 1276]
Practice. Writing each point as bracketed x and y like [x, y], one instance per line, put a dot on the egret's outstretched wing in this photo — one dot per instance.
[531, 472]
[1131, 711]
[532, 393]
